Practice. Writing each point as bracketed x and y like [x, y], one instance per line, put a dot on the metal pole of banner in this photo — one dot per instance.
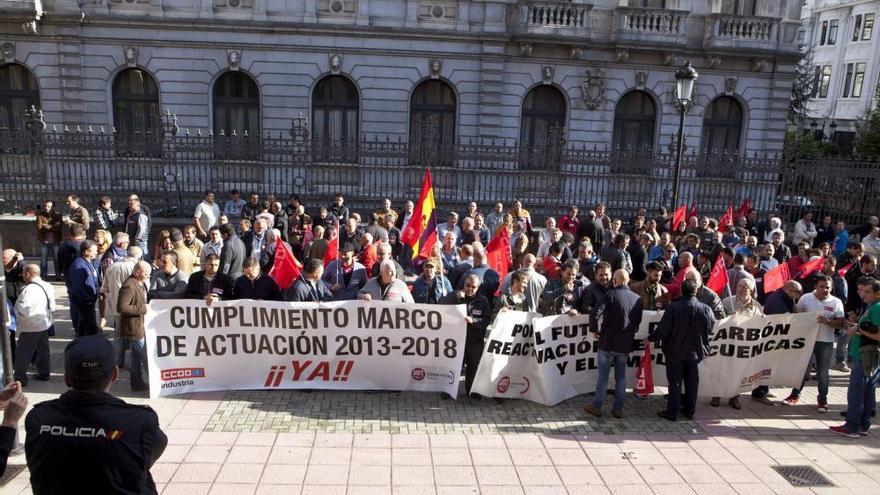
[5, 347]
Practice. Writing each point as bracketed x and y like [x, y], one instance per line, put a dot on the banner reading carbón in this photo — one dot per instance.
[551, 359]
[354, 345]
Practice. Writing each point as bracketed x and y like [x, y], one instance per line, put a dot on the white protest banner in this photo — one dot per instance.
[764, 350]
[551, 359]
[354, 345]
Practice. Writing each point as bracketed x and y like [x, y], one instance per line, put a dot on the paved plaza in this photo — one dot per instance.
[291, 442]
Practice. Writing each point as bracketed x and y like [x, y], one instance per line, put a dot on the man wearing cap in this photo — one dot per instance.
[88, 441]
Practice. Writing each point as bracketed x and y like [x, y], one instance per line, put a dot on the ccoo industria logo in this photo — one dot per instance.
[182, 374]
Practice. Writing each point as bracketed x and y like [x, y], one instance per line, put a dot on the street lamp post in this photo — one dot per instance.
[684, 87]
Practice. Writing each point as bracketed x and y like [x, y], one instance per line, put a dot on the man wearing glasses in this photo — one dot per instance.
[478, 317]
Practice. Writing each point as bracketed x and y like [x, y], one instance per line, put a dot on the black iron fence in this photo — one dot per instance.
[171, 168]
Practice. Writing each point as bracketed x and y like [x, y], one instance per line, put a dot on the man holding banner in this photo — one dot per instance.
[683, 334]
[478, 316]
[621, 317]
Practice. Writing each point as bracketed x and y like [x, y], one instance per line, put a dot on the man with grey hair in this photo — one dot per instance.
[116, 251]
[114, 277]
[386, 287]
[383, 252]
[33, 308]
[449, 226]
[255, 239]
[685, 266]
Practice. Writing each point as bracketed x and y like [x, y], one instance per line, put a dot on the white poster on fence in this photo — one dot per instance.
[551, 359]
[354, 345]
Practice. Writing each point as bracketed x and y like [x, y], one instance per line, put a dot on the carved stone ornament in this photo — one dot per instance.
[758, 64]
[713, 62]
[621, 55]
[593, 88]
[7, 52]
[525, 49]
[31, 27]
[547, 74]
[234, 59]
[730, 85]
[576, 53]
[435, 65]
[641, 79]
[670, 59]
[335, 63]
[131, 55]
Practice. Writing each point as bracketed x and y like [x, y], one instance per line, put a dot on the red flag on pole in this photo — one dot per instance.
[726, 219]
[776, 277]
[842, 271]
[498, 253]
[718, 280]
[333, 248]
[678, 217]
[809, 267]
[744, 208]
[693, 211]
[423, 224]
[286, 268]
[645, 374]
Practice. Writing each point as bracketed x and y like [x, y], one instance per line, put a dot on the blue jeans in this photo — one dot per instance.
[120, 343]
[822, 353]
[138, 361]
[606, 360]
[861, 398]
[840, 350]
[49, 252]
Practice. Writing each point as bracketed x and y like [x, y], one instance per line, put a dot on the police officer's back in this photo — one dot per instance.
[88, 441]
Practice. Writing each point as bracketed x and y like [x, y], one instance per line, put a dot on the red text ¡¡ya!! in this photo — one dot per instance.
[309, 371]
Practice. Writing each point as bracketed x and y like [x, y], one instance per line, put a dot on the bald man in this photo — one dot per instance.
[34, 311]
[132, 306]
[620, 319]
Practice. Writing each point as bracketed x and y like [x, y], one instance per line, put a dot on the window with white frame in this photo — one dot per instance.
[854, 80]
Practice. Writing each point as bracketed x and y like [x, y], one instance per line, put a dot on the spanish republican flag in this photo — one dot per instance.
[422, 227]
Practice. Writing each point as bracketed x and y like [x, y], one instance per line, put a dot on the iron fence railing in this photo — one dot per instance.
[171, 168]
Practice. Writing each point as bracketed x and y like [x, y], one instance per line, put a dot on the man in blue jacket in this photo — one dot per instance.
[309, 287]
[683, 334]
[83, 290]
[621, 316]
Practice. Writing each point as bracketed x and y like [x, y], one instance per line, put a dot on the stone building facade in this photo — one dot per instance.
[506, 69]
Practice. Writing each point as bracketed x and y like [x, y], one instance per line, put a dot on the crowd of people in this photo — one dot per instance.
[593, 264]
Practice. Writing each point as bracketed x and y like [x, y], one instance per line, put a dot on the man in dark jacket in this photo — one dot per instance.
[621, 316]
[683, 334]
[255, 285]
[592, 229]
[595, 295]
[209, 284]
[478, 318]
[233, 254]
[82, 287]
[616, 254]
[88, 441]
[309, 286]
[69, 250]
[167, 282]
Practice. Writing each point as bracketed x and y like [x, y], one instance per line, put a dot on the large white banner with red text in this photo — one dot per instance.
[550, 359]
[354, 345]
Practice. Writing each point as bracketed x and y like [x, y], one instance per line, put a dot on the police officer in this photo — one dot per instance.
[478, 318]
[88, 441]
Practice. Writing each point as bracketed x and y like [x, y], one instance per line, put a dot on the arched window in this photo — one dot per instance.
[135, 103]
[18, 92]
[722, 126]
[543, 110]
[335, 106]
[432, 113]
[634, 121]
[236, 104]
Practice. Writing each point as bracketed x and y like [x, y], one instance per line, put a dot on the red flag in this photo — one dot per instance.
[498, 253]
[776, 277]
[333, 248]
[842, 271]
[809, 267]
[678, 217]
[744, 208]
[693, 211]
[428, 244]
[726, 219]
[718, 280]
[645, 374]
[286, 268]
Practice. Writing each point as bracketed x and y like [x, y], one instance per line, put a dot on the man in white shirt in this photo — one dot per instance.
[33, 308]
[114, 277]
[831, 316]
[206, 215]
